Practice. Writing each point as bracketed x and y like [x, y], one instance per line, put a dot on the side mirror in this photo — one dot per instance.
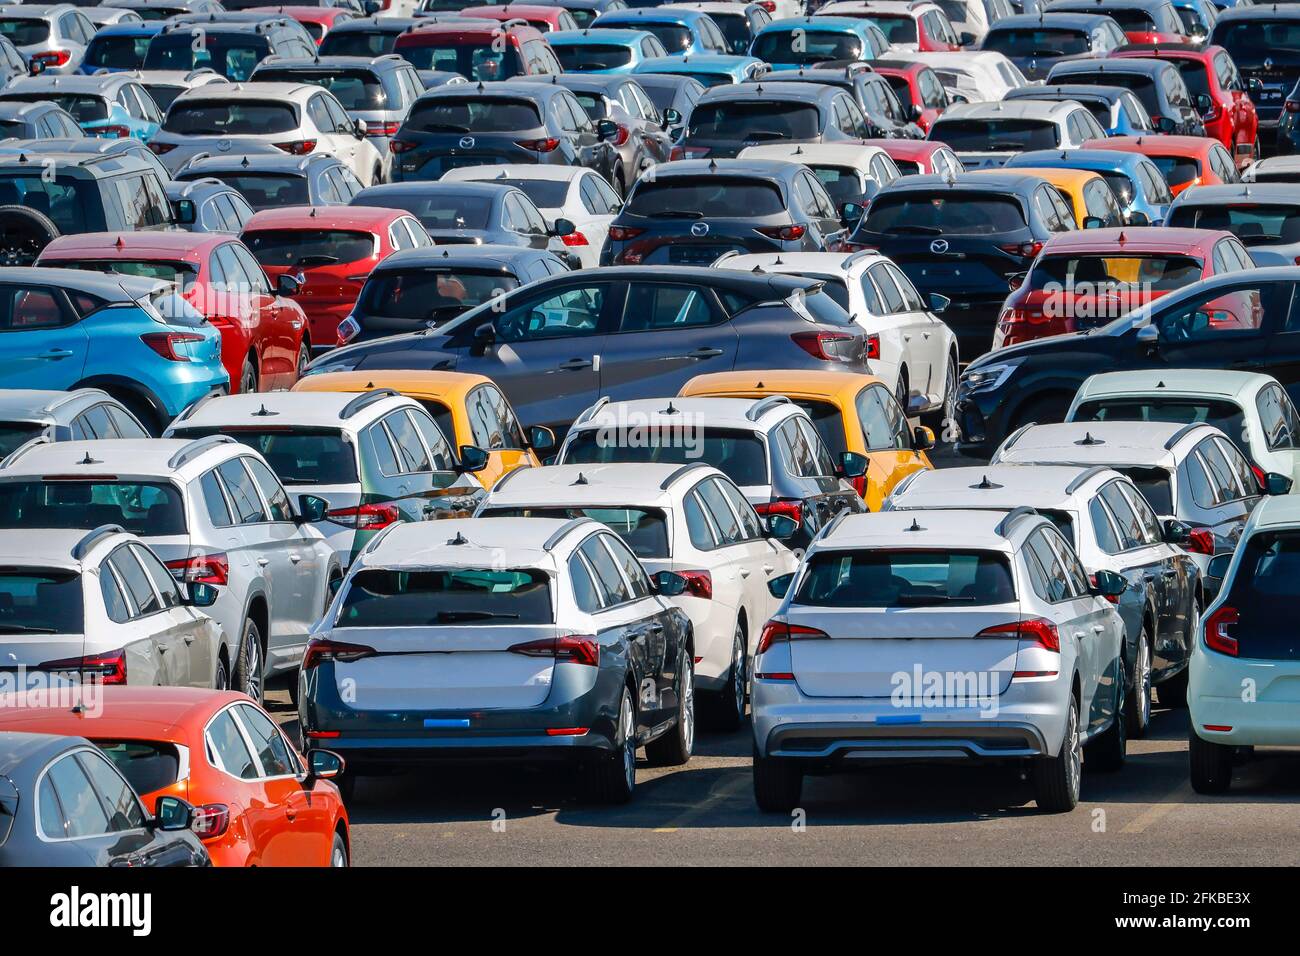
[1200, 541]
[1016, 280]
[541, 438]
[1277, 484]
[1108, 584]
[287, 285]
[1254, 86]
[852, 464]
[1165, 124]
[312, 509]
[671, 117]
[1137, 218]
[780, 527]
[669, 584]
[922, 438]
[563, 227]
[36, 67]
[1177, 532]
[485, 337]
[1148, 335]
[1203, 102]
[606, 129]
[186, 212]
[851, 213]
[780, 585]
[965, 38]
[171, 814]
[472, 458]
[361, 129]
[200, 595]
[324, 764]
[1212, 582]
[939, 302]
[1093, 222]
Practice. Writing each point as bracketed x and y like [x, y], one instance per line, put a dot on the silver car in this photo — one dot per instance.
[28, 414]
[52, 36]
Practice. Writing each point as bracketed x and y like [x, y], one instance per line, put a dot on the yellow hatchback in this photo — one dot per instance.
[469, 409]
[853, 413]
[1088, 194]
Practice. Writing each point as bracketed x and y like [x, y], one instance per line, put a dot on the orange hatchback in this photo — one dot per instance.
[1184, 160]
[258, 802]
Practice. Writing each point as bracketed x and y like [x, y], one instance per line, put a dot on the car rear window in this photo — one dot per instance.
[1226, 416]
[83, 107]
[1255, 224]
[1132, 20]
[14, 434]
[1155, 487]
[1143, 86]
[1093, 274]
[806, 46]
[355, 89]
[287, 248]
[486, 61]
[1177, 170]
[1264, 593]
[884, 578]
[148, 765]
[234, 56]
[264, 190]
[754, 121]
[234, 118]
[545, 193]
[739, 454]
[944, 213]
[164, 93]
[1041, 42]
[674, 37]
[181, 273]
[147, 508]
[24, 32]
[381, 597]
[433, 295]
[477, 115]
[644, 530]
[695, 197]
[1001, 136]
[301, 456]
[586, 57]
[1252, 42]
[907, 167]
[441, 211]
[40, 601]
[117, 53]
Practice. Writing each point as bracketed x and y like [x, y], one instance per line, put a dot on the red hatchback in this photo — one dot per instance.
[919, 157]
[494, 51]
[1219, 92]
[544, 19]
[333, 249]
[264, 341]
[917, 87]
[1088, 277]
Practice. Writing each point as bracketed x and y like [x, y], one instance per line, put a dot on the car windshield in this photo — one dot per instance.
[232, 55]
[1226, 416]
[691, 197]
[1177, 170]
[164, 93]
[144, 508]
[754, 121]
[644, 530]
[379, 597]
[148, 765]
[472, 60]
[1041, 42]
[40, 601]
[898, 28]
[588, 57]
[1097, 273]
[1263, 592]
[354, 89]
[883, 578]
[1255, 224]
[13, 434]
[464, 114]
[264, 190]
[286, 248]
[365, 43]
[24, 32]
[946, 213]
[1155, 487]
[75, 205]
[441, 211]
[434, 295]
[1141, 85]
[806, 46]
[118, 53]
[84, 107]
[1252, 42]
[997, 135]
[740, 455]
[231, 118]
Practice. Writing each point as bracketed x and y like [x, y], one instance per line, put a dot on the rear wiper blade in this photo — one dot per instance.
[448, 127]
[923, 230]
[922, 600]
[675, 214]
[765, 134]
[451, 617]
[1047, 53]
[25, 629]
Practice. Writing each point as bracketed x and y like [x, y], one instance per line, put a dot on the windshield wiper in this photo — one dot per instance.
[1005, 147]
[1046, 53]
[764, 134]
[448, 127]
[923, 600]
[922, 230]
[675, 214]
[25, 629]
[451, 617]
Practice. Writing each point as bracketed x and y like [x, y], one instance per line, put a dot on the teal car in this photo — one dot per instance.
[679, 30]
[111, 105]
[603, 51]
[807, 41]
[710, 69]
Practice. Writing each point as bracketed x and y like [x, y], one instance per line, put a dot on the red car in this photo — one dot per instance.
[317, 21]
[919, 157]
[918, 88]
[1087, 277]
[333, 248]
[1143, 21]
[1219, 92]
[264, 339]
[494, 51]
[543, 19]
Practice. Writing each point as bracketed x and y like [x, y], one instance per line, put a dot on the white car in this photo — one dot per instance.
[689, 519]
[986, 135]
[907, 345]
[973, 76]
[1251, 408]
[940, 635]
[298, 118]
[165, 85]
[52, 37]
[576, 193]
[851, 174]
[971, 18]
[892, 16]
[1248, 657]
[101, 604]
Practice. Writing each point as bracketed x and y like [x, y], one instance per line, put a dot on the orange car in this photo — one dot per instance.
[1184, 160]
[469, 409]
[258, 802]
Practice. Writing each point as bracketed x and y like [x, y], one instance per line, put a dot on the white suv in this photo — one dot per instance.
[689, 519]
[940, 635]
[214, 512]
[101, 604]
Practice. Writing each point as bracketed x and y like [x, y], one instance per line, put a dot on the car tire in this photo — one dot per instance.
[673, 749]
[339, 852]
[25, 233]
[248, 376]
[1173, 691]
[1137, 704]
[249, 666]
[778, 783]
[1108, 751]
[221, 679]
[1057, 779]
[939, 419]
[1210, 764]
[304, 358]
[728, 704]
[611, 778]
[1043, 411]
[900, 389]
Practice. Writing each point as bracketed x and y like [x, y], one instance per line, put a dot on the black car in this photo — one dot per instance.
[964, 238]
[691, 212]
[424, 288]
[1158, 84]
[1037, 42]
[672, 91]
[887, 117]
[501, 122]
[1264, 43]
[63, 803]
[1240, 320]
[268, 180]
[546, 344]
[728, 118]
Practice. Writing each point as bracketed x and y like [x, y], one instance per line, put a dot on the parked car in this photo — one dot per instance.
[481, 50]
[918, 89]
[369, 36]
[582, 11]
[27, 414]
[271, 179]
[884, 112]
[1264, 216]
[679, 30]
[1157, 84]
[231, 46]
[739, 22]
[670, 91]
[985, 135]
[163, 86]
[51, 37]
[544, 19]
[1143, 21]
[923, 156]
[1116, 108]
[41, 120]
[1037, 42]
[1185, 161]
[119, 47]
[906, 24]
[609, 51]
[850, 174]
[1274, 169]
[711, 69]
[808, 41]
[1259, 41]
[318, 21]
[1137, 182]
[165, 9]
[113, 106]
[208, 205]
[969, 76]
[1094, 203]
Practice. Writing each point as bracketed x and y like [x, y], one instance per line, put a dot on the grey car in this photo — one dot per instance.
[12, 63]
[29, 414]
[670, 91]
[43, 120]
[456, 213]
[267, 180]
[1264, 216]
[52, 37]
[209, 205]
[367, 36]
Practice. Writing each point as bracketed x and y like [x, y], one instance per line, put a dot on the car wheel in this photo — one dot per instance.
[248, 665]
[339, 851]
[1108, 752]
[1137, 705]
[729, 703]
[611, 778]
[1043, 411]
[304, 359]
[778, 783]
[248, 376]
[377, 175]
[900, 389]
[947, 410]
[221, 681]
[1056, 779]
[1210, 764]
[1173, 692]
[674, 748]
[26, 232]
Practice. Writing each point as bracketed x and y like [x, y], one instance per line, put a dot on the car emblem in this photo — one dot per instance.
[700, 229]
[223, 145]
[939, 246]
[1268, 63]
[467, 142]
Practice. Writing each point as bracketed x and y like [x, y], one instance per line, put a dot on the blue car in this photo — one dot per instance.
[1142, 192]
[711, 69]
[806, 41]
[118, 48]
[112, 105]
[1116, 108]
[1198, 17]
[680, 31]
[134, 338]
[603, 51]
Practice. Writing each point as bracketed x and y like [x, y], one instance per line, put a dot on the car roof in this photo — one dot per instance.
[18, 748]
[794, 263]
[36, 9]
[829, 23]
[431, 187]
[1063, 19]
[906, 149]
[1121, 239]
[565, 174]
[1107, 158]
[1276, 510]
[1055, 5]
[114, 288]
[325, 217]
[275, 161]
[1000, 487]
[762, 90]
[1181, 51]
[1098, 443]
[129, 245]
[1278, 164]
[663, 412]
[101, 84]
[801, 383]
[1074, 91]
[897, 530]
[994, 181]
[462, 256]
[472, 543]
[1191, 146]
[1055, 110]
[424, 383]
[335, 62]
[152, 457]
[769, 169]
[1126, 64]
[848, 154]
[38, 405]
[604, 35]
[140, 28]
[252, 91]
[645, 484]
[135, 712]
[1062, 177]
[653, 14]
[301, 409]
[1271, 11]
[703, 62]
[1282, 194]
[468, 26]
[1222, 383]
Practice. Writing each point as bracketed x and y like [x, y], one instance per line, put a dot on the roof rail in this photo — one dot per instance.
[678, 472]
[23, 449]
[501, 482]
[855, 256]
[729, 254]
[1084, 477]
[1015, 436]
[367, 398]
[590, 413]
[92, 538]
[1014, 515]
[829, 527]
[763, 406]
[72, 396]
[1182, 433]
[569, 525]
[373, 543]
[195, 405]
[196, 446]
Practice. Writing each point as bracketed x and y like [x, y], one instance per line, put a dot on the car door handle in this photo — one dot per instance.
[703, 353]
[744, 572]
[263, 562]
[189, 638]
[1098, 628]
[1080, 635]
[574, 364]
[769, 568]
[295, 557]
[58, 354]
[656, 628]
[1148, 577]
[1170, 572]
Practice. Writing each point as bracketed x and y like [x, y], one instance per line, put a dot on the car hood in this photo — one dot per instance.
[414, 350]
[1065, 342]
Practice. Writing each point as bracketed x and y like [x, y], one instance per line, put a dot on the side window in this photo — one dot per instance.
[319, 115]
[1277, 417]
[584, 589]
[226, 744]
[661, 306]
[1239, 466]
[214, 500]
[136, 581]
[84, 813]
[272, 490]
[883, 424]
[724, 519]
[1058, 582]
[1102, 527]
[633, 570]
[53, 825]
[251, 269]
[893, 299]
[750, 525]
[124, 812]
[1198, 482]
[119, 612]
[794, 448]
[127, 427]
[911, 298]
[606, 569]
[269, 744]
[163, 582]
[1077, 577]
[1131, 533]
[697, 525]
[825, 465]
[244, 498]
[385, 456]
[410, 449]
[574, 311]
[96, 420]
[1221, 474]
[1037, 574]
[871, 295]
[1150, 524]
[444, 459]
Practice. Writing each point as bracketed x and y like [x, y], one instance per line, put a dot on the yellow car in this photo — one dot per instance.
[855, 413]
[469, 409]
[1087, 193]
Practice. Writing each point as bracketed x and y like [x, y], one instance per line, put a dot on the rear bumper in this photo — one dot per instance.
[1258, 699]
[907, 743]
[398, 752]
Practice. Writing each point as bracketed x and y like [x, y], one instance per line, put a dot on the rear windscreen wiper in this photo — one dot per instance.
[25, 629]
[451, 617]
[923, 230]
[675, 214]
[921, 600]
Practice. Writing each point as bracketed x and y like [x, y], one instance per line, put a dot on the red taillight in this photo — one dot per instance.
[768, 5]
[162, 149]
[322, 734]
[565, 731]
[1261, 479]
[571, 649]
[1200, 541]
[108, 668]
[784, 233]
[320, 650]
[688, 152]
[698, 584]
[1026, 249]
[779, 632]
[210, 820]
[791, 509]
[859, 483]
[621, 136]
[211, 568]
[1037, 630]
[848, 246]
[574, 239]
[624, 233]
[51, 57]
[164, 343]
[820, 345]
[365, 517]
[1216, 630]
[120, 132]
[547, 145]
[299, 147]
[873, 346]
[1292, 106]
[382, 129]
[400, 145]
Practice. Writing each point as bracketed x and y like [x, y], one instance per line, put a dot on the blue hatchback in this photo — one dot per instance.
[680, 31]
[806, 41]
[134, 338]
[118, 48]
[1142, 192]
[712, 69]
[603, 51]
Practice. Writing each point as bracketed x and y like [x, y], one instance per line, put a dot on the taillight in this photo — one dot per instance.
[162, 149]
[546, 145]
[108, 668]
[688, 152]
[1292, 106]
[571, 649]
[382, 129]
[1200, 541]
[698, 584]
[51, 57]
[299, 147]
[120, 132]
[210, 820]
[1261, 479]
[791, 509]
[624, 233]
[779, 632]
[400, 145]
[349, 329]
[847, 245]
[621, 136]
[365, 517]
[784, 233]
[321, 650]
[165, 343]
[210, 568]
[821, 345]
[574, 239]
[1036, 630]
[1026, 249]
[873, 346]
[1216, 630]
[768, 5]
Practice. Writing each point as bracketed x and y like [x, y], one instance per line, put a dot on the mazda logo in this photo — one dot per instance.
[1268, 63]
[939, 246]
[467, 142]
[700, 229]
